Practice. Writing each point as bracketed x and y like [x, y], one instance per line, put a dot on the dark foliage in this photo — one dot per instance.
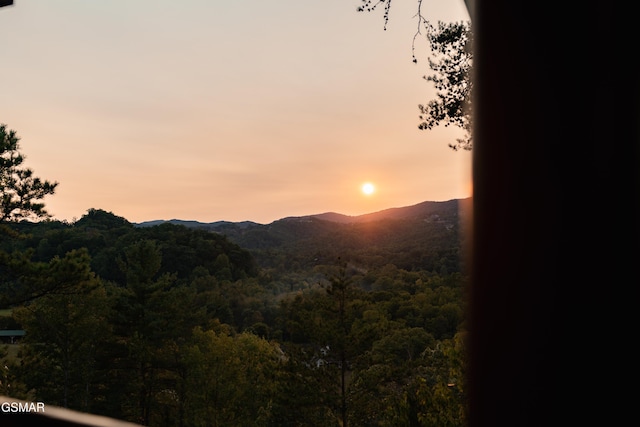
[176, 325]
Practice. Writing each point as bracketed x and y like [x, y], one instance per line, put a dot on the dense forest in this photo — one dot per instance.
[302, 322]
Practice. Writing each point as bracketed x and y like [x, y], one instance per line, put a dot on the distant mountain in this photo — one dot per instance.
[424, 210]
[422, 236]
[194, 224]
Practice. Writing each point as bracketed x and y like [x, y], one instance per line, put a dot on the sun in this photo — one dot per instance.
[368, 188]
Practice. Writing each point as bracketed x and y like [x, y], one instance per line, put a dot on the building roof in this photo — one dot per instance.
[12, 332]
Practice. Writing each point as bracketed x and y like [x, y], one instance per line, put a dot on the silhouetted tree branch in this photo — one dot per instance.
[452, 46]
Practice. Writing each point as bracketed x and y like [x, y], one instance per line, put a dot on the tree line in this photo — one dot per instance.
[168, 325]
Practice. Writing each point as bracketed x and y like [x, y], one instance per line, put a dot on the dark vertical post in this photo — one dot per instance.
[555, 211]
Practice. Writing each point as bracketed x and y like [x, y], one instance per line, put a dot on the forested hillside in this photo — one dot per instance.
[427, 236]
[302, 322]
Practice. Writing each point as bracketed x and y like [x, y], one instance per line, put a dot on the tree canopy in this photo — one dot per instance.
[169, 325]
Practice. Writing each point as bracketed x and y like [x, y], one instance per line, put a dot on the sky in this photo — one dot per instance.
[226, 110]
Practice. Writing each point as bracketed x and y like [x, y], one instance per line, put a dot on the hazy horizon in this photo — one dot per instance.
[287, 216]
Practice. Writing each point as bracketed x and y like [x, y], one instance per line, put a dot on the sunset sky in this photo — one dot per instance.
[237, 110]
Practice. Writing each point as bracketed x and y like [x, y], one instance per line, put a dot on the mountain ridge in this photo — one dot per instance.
[412, 211]
[427, 235]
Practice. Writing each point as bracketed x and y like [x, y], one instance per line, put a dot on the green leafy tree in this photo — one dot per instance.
[25, 280]
[320, 322]
[20, 191]
[133, 359]
[436, 395]
[380, 384]
[231, 379]
[63, 333]
[340, 295]
[152, 316]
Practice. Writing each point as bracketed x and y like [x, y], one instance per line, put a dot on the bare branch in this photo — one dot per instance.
[421, 21]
